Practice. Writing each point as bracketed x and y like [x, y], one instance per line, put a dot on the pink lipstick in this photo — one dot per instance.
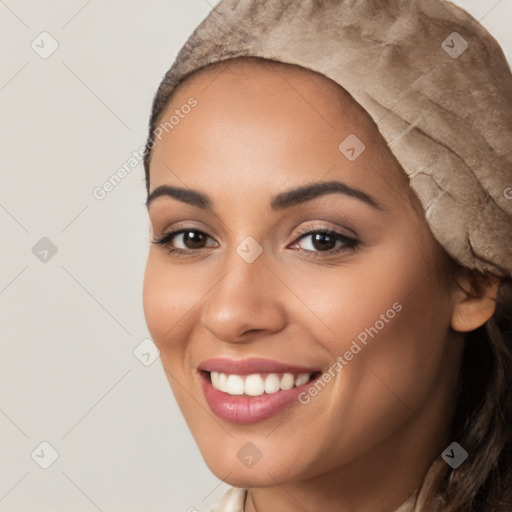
[251, 390]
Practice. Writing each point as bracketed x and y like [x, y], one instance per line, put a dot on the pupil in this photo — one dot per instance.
[193, 240]
[323, 241]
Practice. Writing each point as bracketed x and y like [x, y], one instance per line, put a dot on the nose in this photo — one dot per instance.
[247, 301]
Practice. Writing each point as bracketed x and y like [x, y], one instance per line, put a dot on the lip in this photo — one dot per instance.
[243, 409]
[251, 365]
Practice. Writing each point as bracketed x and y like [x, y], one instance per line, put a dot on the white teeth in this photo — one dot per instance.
[301, 379]
[255, 384]
[215, 380]
[287, 381]
[223, 382]
[235, 385]
[272, 383]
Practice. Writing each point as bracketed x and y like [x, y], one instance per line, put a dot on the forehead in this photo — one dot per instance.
[258, 121]
[255, 80]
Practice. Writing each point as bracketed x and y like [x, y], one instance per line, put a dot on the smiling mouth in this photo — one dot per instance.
[257, 384]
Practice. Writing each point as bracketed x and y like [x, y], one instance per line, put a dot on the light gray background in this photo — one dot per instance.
[68, 374]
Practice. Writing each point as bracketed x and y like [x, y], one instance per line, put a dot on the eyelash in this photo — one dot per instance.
[348, 243]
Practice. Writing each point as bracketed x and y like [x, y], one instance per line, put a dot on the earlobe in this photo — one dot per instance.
[475, 301]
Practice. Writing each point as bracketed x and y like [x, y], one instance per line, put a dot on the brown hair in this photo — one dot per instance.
[482, 421]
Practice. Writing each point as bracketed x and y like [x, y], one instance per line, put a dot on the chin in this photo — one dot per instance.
[228, 464]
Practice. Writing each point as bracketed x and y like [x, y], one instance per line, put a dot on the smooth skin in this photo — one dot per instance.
[366, 440]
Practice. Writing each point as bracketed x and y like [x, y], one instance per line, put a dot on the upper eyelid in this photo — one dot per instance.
[172, 233]
[334, 230]
[301, 218]
[303, 233]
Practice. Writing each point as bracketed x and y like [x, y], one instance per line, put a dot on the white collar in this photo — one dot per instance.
[232, 501]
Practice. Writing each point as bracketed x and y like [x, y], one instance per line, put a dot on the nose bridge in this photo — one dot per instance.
[245, 298]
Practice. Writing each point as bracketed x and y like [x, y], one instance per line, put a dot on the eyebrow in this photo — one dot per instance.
[281, 201]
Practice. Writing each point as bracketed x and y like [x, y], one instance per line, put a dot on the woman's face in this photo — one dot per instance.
[359, 298]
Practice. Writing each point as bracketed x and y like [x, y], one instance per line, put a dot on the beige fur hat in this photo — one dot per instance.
[435, 82]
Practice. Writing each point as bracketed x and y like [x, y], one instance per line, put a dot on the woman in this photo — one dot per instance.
[329, 279]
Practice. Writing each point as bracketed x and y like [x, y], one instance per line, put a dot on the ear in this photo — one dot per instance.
[475, 300]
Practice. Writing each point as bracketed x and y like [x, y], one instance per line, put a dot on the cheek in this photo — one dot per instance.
[394, 288]
[384, 320]
[390, 320]
[167, 298]
[346, 300]
[159, 309]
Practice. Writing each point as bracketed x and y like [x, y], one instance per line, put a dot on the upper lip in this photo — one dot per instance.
[251, 365]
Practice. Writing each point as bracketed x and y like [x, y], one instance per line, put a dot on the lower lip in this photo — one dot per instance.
[245, 409]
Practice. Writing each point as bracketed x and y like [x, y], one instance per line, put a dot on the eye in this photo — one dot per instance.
[317, 243]
[324, 241]
[183, 241]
